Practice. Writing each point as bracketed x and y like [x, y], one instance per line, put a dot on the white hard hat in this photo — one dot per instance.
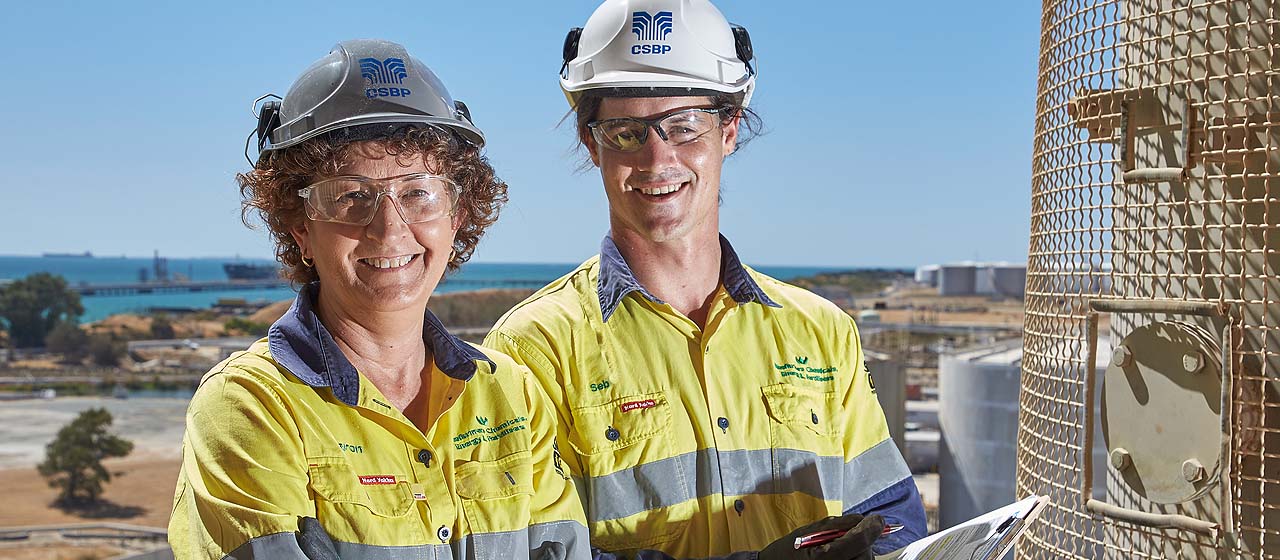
[651, 48]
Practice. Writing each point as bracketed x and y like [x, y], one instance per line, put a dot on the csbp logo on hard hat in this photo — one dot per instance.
[651, 27]
[387, 72]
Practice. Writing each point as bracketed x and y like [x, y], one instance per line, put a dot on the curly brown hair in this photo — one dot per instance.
[270, 188]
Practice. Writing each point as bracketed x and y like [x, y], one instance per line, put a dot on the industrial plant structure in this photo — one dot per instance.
[1157, 167]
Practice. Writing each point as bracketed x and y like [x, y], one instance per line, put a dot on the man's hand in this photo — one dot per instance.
[853, 545]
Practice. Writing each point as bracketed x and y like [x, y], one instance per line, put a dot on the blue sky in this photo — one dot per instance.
[897, 136]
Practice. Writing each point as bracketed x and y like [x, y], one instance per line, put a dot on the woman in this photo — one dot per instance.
[358, 409]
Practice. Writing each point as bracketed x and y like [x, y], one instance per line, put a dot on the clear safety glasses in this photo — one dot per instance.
[352, 199]
[681, 127]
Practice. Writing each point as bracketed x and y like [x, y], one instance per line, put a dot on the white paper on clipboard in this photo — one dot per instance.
[986, 537]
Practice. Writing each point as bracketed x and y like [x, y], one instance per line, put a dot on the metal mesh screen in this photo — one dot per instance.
[1156, 178]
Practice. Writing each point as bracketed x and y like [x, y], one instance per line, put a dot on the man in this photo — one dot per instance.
[708, 410]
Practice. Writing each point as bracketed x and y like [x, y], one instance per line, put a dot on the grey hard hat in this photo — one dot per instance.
[361, 83]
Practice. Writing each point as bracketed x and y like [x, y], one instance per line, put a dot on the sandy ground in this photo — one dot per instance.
[141, 490]
[140, 493]
[59, 552]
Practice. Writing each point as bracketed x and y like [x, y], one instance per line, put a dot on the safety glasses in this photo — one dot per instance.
[629, 134]
[352, 199]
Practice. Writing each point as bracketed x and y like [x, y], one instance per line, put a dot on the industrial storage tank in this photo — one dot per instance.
[1157, 160]
[978, 416]
[957, 279]
[1009, 280]
[984, 280]
[890, 380]
[927, 275]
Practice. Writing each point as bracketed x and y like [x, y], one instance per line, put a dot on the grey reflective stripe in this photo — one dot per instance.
[708, 472]
[671, 481]
[662, 483]
[276, 545]
[571, 534]
[492, 546]
[821, 476]
[482, 546]
[357, 551]
[873, 471]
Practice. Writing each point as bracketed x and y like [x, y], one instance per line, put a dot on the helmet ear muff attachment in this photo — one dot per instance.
[570, 50]
[742, 43]
[268, 121]
[460, 109]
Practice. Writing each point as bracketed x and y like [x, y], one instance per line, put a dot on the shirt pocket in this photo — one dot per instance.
[496, 497]
[806, 440]
[634, 477]
[620, 424]
[373, 508]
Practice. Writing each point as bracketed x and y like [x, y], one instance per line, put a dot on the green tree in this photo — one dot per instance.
[161, 327]
[73, 460]
[32, 306]
[106, 350]
[68, 339]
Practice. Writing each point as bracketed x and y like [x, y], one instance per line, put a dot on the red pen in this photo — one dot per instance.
[824, 537]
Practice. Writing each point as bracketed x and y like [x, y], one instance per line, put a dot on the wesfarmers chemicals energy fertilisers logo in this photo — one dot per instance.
[388, 72]
[653, 27]
[800, 368]
[484, 433]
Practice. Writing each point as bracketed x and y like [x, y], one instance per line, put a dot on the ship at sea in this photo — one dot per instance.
[247, 271]
[84, 255]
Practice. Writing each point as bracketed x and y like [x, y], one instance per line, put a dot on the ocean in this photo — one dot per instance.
[80, 270]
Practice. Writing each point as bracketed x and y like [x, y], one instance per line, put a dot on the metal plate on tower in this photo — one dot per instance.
[1161, 411]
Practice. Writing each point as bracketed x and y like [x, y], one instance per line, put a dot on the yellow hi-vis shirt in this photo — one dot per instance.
[290, 429]
[700, 443]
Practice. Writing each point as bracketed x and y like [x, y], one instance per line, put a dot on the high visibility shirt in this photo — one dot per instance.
[700, 443]
[290, 429]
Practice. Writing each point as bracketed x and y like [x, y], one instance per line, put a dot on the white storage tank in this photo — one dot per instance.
[928, 275]
[957, 279]
[978, 419]
[891, 391]
[1009, 280]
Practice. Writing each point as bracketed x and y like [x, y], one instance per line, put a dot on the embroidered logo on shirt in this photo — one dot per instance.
[634, 405]
[351, 448]
[870, 381]
[602, 385]
[377, 479]
[802, 370]
[487, 433]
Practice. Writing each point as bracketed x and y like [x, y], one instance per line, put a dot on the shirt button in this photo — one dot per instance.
[612, 434]
[739, 505]
[424, 457]
[814, 417]
[723, 423]
[443, 532]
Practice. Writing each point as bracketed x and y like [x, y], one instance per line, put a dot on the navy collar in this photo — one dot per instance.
[616, 280]
[301, 344]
